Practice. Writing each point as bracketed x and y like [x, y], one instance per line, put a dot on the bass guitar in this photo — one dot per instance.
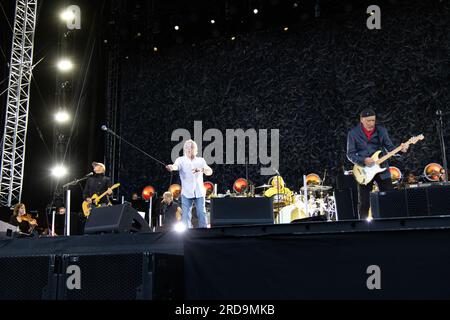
[95, 200]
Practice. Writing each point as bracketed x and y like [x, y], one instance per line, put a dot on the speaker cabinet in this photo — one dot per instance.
[135, 276]
[344, 205]
[115, 219]
[28, 278]
[439, 200]
[412, 202]
[417, 201]
[388, 204]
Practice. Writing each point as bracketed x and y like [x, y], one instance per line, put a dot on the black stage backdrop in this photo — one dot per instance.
[310, 83]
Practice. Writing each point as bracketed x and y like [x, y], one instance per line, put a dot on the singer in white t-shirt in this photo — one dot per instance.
[191, 170]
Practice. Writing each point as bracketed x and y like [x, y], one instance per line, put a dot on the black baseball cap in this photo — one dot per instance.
[367, 113]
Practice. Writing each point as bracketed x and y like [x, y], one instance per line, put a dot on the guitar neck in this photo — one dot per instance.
[389, 155]
[102, 195]
[106, 192]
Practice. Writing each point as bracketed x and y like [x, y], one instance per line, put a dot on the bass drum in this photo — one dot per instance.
[292, 212]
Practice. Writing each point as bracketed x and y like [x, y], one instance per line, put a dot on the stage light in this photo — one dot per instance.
[148, 193]
[180, 227]
[295, 5]
[241, 185]
[233, 38]
[177, 28]
[255, 11]
[61, 116]
[369, 219]
[155, 49]
[59, 171]
[67, 15]
[65, 65]
[285, 28]
[213, 21]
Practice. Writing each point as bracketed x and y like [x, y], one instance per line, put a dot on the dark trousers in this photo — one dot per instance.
[364, 194]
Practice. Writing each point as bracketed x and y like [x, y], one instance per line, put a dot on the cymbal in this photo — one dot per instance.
[318, 188]
[264, 186]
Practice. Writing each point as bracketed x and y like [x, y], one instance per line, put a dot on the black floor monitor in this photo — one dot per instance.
[241, 211]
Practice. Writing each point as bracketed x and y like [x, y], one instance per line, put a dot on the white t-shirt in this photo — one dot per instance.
[191, 183]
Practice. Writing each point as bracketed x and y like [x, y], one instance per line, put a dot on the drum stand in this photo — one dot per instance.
[305, 190]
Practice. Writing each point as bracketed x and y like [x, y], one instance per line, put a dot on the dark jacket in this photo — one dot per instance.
[97, 184]
[169, 213]
[359, 148]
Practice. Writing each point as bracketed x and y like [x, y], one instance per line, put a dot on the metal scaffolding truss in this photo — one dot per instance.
[16, 120]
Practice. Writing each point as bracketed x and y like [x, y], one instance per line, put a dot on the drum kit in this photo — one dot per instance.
[320, 202]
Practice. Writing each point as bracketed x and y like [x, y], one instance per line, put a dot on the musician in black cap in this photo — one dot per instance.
[98, 184]
[362, 142]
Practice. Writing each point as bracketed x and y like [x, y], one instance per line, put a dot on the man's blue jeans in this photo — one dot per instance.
[186, 206]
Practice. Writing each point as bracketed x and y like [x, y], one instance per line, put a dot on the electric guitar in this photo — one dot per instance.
[95, 199]
[365, 174]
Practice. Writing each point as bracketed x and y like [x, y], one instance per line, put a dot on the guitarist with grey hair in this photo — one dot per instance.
[363, 141]
[97, 190]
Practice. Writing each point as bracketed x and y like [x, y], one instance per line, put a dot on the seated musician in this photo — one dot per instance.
[98, 184]
[21, 219]
[278, 188]
[411, 179]
[170, 211]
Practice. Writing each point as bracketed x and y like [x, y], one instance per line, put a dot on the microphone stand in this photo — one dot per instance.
[74, 182]
[132, 145]
[440, 127]
[67, 221]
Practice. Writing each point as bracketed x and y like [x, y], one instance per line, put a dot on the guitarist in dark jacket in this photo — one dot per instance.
[362, 142]
[98, 184]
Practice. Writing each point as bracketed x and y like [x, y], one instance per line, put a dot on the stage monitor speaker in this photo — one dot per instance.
[344, 205]
[115, 219]
[241, 211]
[28, 278]
[439, 200]
[388, 204]
[131, 276]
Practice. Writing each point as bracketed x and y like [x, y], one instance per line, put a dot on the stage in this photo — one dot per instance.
[383, 259]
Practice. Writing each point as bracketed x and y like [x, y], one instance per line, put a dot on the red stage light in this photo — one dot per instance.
[209, 186]
[240, 185]
[175, 189]
[148, 192]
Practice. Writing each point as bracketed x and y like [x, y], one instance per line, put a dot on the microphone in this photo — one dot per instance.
[89, 174]
[104, 128]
